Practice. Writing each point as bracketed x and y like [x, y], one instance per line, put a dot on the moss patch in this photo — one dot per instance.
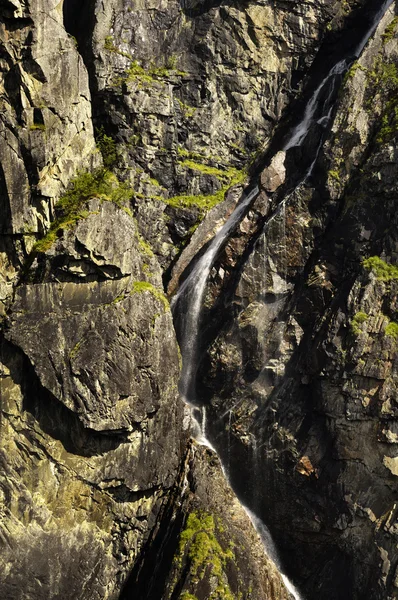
[101, 184]
[204, 202]
[382, 270]
[357, 321]
[140, 287]
[138, 74]
[200, 546]
[389, 33]
[384, 79]
[392, 330]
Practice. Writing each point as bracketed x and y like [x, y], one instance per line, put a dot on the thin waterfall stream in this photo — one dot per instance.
[187, 304]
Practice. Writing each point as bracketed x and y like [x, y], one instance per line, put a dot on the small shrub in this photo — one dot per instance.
[107, 146]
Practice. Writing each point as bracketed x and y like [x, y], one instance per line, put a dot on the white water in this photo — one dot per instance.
[300, 132]
[188, 301]
[378, 16]
[191, 294]
[272, 553]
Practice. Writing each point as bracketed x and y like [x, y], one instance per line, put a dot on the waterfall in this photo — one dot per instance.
[189, 298]
[300, 131]
[188, 302]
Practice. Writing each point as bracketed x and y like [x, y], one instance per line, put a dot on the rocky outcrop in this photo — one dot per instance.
[192, 92]
[210, 548]
[45, 124]
[92, 425]
[301, 362]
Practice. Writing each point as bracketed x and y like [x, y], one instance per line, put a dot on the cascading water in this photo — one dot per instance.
[187, 303]
[189, 298]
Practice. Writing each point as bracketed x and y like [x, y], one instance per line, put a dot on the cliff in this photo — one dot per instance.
[128, 132]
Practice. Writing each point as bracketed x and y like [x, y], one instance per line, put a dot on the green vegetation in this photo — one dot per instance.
[101, 184]
[107, 146]
[334, 175]
[37, 127]
[389, 33]
[154, 182]
[187, 596]
[202, 201]
[136, 73]
[227, 177]
[222, 174]
[75, 350]
[353, 69]
[187, 110]
[384, 78]
[382, 270]
[140, 287]
[110, 46]
[199, 544]
[357, 321]
[389, 126]
[392, 330]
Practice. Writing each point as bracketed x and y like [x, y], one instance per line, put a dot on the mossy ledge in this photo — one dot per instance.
[392, 330]
[382, 270]
[205, 202]
[145, 286]
[101, 184]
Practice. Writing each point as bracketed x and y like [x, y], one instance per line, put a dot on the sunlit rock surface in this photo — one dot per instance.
[103, 496]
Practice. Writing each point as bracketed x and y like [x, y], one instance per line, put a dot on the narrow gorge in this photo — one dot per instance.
[198, 300]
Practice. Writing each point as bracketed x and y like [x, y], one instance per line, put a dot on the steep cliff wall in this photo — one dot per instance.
[123, 124]
[301, 359]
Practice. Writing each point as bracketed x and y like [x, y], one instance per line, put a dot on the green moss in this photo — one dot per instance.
[201, 201]
[389, 124]
[187, 110]
[187, 596]
[37, 127]
[223, 174]
[392, 330]
[357, 321]
[389, 33]
[110, 46]
[204, 202]
[351, 72]
[199, 544]
[382, 270]
[140, 287]
[334, 175]
[75, 350]
[384, 79]
[101, 184]
[137, 73]
[143, 245]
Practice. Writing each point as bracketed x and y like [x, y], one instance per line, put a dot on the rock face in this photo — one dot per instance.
[123, 125]
[301, 363]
